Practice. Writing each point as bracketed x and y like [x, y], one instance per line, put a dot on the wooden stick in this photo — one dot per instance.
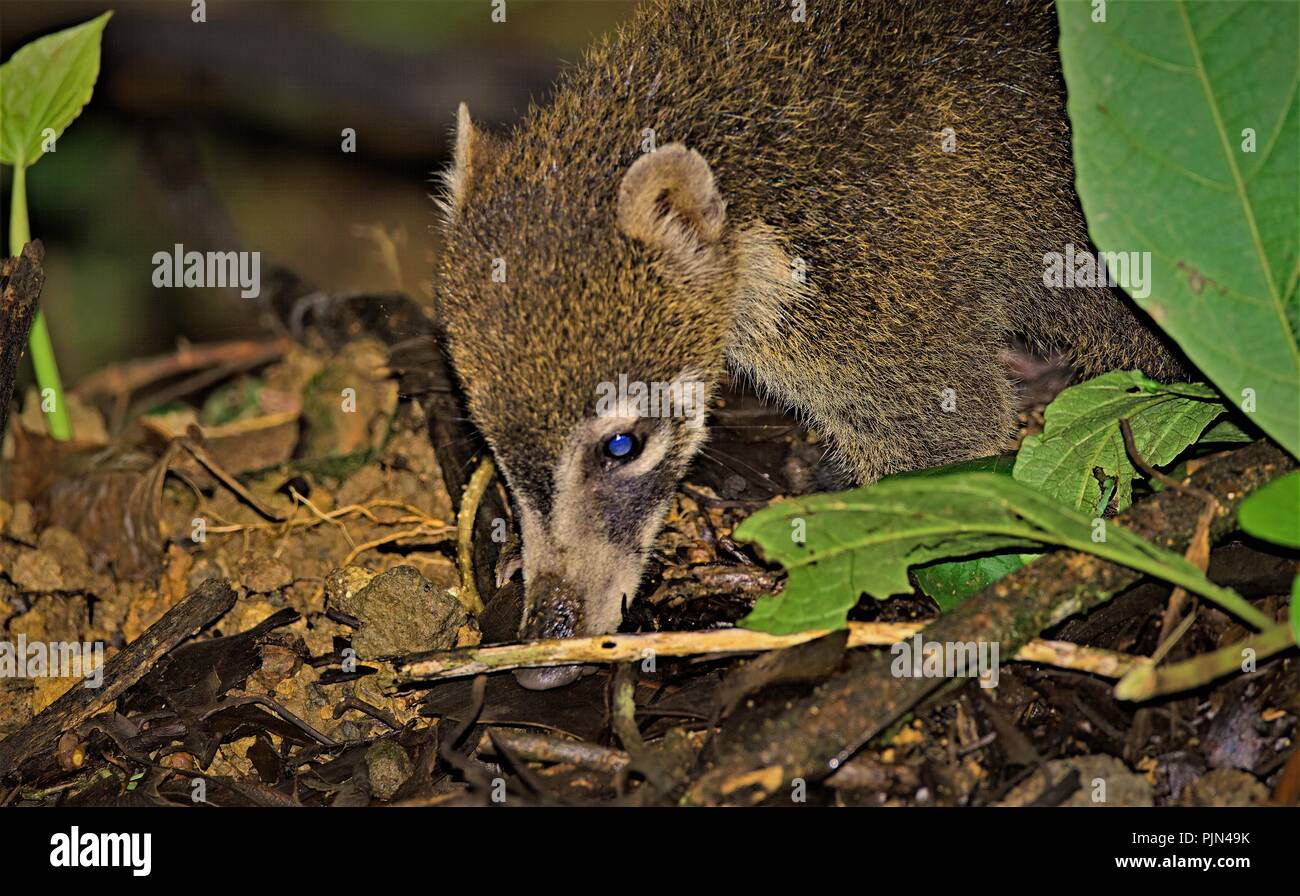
[203, 605]
[478, 483]
[21, 280]
[536, 747]
[457, 445]
[468, 661]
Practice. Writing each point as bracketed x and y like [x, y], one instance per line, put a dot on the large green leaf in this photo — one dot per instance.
[949, 582]
[839, 546]
[1161, 95]
[1273, 512]
[45, 85]
[1226, 432]
[1081, 434]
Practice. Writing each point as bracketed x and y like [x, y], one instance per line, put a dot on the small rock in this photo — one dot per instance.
[262, 575]
[388, 768]
[181, 760]
[863, 772]
[59, 563]
[398, 611]
[1233, 738]
[15, 704]
[1103, 781]
[342, 584]
[1225, 787]
[67, 548]
[37, 571]
[202, 570]
[248, 612]
[87, 422]
[53, 617]
[22, 525]
[357, 372]
[1177, 769]
[280, 660]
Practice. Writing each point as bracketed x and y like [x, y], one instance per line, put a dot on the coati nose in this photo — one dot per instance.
[546, 679]
[553, 609]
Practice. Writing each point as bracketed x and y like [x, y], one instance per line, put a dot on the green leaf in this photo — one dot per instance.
[996, 463]
[1226, 432]
[1273, 512]
[952, 581]
[1161, 97]
[864, 541]
[45, 85]
[1081, 433]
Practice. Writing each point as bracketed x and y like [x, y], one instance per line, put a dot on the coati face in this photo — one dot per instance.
[567, 285]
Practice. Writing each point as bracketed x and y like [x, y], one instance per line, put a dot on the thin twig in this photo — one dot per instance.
[192, 444]
[415, 516]
[303, 499]
[535, 747]
[1198, 549]
[628, 648]
[478, 483]
[1173, 637]
[1145, 682]
[1126, 429]
[623, 721]
[396, 536]
[352, 702]
[283, 712]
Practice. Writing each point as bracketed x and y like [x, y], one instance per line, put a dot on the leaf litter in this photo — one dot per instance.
[306, 480]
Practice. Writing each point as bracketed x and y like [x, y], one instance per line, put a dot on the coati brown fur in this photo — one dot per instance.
[799, 223]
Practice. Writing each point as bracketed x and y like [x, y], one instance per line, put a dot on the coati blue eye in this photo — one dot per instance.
[622, 446]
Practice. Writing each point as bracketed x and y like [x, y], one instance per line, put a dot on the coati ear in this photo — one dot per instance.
[470, 144]
[668, 201]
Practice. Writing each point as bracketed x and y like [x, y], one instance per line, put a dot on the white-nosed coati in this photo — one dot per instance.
[806, 222]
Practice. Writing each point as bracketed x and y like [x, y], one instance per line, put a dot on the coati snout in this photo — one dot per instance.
[849, 209]
[587, 537]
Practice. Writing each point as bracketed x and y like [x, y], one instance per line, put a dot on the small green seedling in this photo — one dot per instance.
[43, 87]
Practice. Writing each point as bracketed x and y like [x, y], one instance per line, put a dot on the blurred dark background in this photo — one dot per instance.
[228, 135]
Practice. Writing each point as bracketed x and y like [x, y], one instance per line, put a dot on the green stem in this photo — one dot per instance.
[38, 341]
[1146, 682]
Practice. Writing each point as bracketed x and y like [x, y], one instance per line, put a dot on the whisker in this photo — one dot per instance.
[722, 458]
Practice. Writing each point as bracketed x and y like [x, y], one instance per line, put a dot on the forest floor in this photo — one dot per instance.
[297, 477]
